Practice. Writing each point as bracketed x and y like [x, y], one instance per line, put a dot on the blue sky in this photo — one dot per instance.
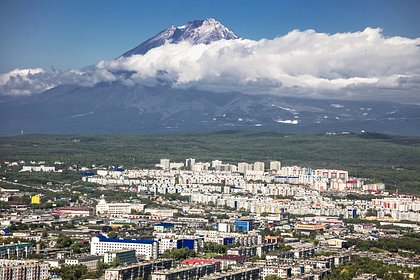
[71, 34]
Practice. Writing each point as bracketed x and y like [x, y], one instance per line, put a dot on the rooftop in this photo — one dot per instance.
[122, 240]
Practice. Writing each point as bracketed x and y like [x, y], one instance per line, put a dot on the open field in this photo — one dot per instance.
[394, 160]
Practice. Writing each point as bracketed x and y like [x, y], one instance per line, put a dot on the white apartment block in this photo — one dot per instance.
[91, 262]
[245, 239]
[148, 249]
[166, 244]
[200, 166]
[244, 166]
[331, 174]
[258, 166]
[216, 163]
[275, 165]
[165, 163]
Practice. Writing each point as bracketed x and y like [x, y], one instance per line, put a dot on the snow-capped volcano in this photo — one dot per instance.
[195, 32]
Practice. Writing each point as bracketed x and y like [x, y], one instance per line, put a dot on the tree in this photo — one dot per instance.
[100, 270]
[79, 247]
[71, 272]
[213, 247]
[179, 254]
[272, 277]
[63, 241]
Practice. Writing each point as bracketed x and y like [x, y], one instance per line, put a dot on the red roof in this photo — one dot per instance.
[367, 225]
[76, 208]
[198, 261]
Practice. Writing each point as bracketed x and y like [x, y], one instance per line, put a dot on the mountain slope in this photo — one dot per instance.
[195, 32]
[116, 108]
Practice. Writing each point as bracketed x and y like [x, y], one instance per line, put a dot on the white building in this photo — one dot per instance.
[244, 166]
[224, 227]
[275, 165]
[216, 163]
[176, 165]
[91, 262]
[167, 244]
[200, 166]
[146, 248]
[117, 209]
[40, 168]
[165, 163]
[258, 166]
[331, 174]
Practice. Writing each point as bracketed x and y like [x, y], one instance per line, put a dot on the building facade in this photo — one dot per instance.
[147, 249]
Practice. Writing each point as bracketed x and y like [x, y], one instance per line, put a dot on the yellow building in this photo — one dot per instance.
[115, 224]
[36, 199]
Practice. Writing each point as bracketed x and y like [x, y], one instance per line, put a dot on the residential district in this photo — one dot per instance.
[202, 220]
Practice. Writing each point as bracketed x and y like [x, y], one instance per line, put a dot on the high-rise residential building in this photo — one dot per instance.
[189, 162]
[258, 166]
[275, 165]
[200, 166]
[165, 163]
[244, 166]
[216, 163]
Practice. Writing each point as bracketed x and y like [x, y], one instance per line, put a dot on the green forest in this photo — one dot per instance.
[394, 160]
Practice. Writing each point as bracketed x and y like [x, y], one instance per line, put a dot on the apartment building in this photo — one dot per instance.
[148, 249]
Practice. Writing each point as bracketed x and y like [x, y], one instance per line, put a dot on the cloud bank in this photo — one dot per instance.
[358, 65]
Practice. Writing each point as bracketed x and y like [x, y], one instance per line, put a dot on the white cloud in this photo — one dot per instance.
[305, 63]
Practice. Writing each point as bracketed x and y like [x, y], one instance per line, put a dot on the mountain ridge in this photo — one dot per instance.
[117, 108]
[195, 32]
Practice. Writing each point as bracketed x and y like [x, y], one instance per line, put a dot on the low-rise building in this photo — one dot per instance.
[229, 261]
[91, 262]
[120, 256]
[116, 209]
[138, 270]
[280, 271]
[18, 250]
[195, 271]
[251, 273]
[74, 212]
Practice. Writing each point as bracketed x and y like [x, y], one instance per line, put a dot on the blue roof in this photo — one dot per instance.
[121, 240]
[165, 225]
[6, 230]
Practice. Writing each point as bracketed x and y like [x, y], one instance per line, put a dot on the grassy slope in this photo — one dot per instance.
[392, 159]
